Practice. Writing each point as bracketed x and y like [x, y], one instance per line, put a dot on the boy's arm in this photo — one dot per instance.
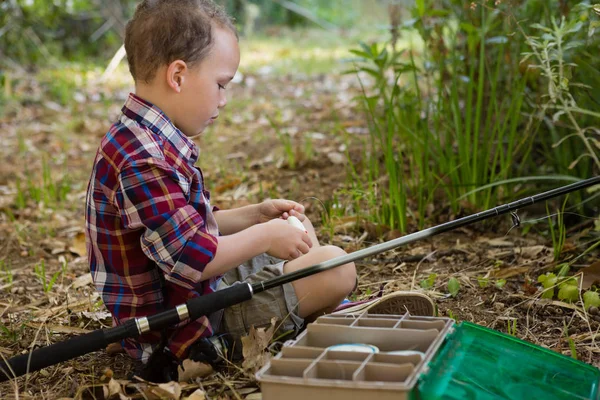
[236, 249]
[237, 219]
[173, 233]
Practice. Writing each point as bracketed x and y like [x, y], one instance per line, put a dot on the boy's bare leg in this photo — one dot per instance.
[321, 293]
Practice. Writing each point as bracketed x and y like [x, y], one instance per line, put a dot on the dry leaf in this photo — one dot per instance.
[96, 315]
[530, 251]
[171, 390]
[197, 395]
[510, 272]
[114, 388]
[336, 158]
[81, 281]
[192, 370]
[254, 396]
[497, 242]
[591, 275]
[78, 246]
[254, 345]
[114, 348]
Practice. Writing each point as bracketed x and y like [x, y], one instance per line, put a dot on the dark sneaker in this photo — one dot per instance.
[211, 350]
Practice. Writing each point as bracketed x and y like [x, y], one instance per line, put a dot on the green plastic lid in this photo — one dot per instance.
[481, 363]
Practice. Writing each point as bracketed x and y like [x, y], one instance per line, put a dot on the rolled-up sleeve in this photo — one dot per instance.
[152, 196]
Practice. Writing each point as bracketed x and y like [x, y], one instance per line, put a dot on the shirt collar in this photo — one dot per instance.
[147, 114]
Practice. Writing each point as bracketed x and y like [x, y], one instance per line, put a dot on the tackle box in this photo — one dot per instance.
[438, 360]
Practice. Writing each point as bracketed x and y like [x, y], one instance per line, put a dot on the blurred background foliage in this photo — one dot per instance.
[31, 31]
[468, 101]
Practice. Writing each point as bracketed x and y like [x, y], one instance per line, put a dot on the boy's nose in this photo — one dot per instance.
[222, 100]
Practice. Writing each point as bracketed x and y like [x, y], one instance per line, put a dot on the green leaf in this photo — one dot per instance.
[361, 54]
[576, 28]
[453, 286]
[541, 27]
[568, 293]
[429, 282]
[367, 49]
[467, 27]
[500, 283]
[483, 282]
[564, 269]
[548, 294]
[591, 299]
[420, 7]
[547, 280]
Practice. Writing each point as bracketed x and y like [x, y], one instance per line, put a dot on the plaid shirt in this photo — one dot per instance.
[150, 230]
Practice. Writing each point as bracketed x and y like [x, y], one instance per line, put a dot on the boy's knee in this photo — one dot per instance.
[344, 276]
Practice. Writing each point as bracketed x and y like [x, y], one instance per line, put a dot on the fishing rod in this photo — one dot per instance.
[205, 305]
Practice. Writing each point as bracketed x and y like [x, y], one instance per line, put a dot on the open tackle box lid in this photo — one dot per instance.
[420, 358]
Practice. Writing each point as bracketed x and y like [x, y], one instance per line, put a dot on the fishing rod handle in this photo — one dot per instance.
[63, 351]
[99, 339]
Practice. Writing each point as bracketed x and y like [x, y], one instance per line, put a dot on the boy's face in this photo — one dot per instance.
[202, 91]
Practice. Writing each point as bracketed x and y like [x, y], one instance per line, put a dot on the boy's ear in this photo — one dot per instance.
[176, 72]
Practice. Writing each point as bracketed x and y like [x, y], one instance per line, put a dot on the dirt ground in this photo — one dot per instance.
[50, 147]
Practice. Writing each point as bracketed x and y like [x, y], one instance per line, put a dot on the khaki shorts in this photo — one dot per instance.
[280, 302]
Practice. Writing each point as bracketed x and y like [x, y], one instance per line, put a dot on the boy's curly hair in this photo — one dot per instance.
[162, 31]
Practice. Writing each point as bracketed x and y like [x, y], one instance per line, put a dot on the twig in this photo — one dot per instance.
[230, 386]
[114, 63]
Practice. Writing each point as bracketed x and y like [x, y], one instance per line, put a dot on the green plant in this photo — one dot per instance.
[591, 299]
[429, 282]
[549, 53]
[288, 145]
[10, 332]
[309, 152]
[511, 327]
[568, 289]
[548, 281]
[453, 286]
[40, 272]
[451, 315]
[570, 341]
[483, 282]
[20, 199]
[500, 283]
[6, 269]
[52, 191]
[563, 269]
[558, 234]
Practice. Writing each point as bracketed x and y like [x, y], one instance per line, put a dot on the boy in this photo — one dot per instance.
[153, 238]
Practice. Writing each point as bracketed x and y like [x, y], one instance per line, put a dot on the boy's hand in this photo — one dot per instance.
[286, 241]
[279, 208]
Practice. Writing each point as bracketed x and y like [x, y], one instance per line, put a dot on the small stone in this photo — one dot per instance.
[593, 310]
[499, 306]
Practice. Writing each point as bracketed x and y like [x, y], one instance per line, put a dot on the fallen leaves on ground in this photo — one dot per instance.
[255, 344]
[190, 370]
[591, 275]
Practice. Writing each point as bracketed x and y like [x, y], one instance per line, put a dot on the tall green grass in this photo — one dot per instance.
[452, 122]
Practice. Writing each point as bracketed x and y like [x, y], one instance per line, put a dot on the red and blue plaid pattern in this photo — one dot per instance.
[150, 230]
